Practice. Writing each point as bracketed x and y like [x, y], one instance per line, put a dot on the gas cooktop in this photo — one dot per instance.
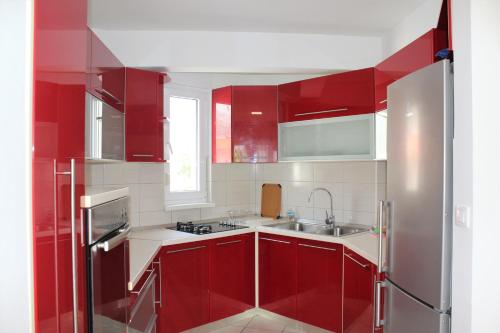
[206, 228]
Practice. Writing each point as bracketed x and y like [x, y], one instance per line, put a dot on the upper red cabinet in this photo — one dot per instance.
[244, 124]
[144, 119]
[106, 79]
[416, 55]
[335, 95]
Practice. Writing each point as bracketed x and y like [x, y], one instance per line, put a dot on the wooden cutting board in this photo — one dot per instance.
[270, 204]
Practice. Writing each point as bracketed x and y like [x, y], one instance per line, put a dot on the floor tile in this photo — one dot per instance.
[262, 323]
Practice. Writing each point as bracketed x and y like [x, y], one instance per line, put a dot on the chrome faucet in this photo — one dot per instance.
[330, 219]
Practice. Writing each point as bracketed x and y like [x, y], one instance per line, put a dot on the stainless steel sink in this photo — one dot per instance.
[321, 229]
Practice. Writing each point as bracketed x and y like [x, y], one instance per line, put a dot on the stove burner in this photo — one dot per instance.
[204, 228]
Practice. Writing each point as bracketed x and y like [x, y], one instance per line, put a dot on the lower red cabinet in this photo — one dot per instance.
[278, 274]
[359, 279]
[232, 275]
[185, 276]
[319, 297]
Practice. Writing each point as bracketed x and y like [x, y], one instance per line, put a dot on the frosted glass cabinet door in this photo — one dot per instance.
[339, 138]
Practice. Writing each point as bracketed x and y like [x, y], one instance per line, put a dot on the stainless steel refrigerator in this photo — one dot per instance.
[419, 202]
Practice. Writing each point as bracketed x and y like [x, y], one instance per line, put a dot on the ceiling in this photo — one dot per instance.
[350, 17]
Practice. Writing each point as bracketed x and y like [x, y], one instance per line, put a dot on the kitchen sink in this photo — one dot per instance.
[321, 229]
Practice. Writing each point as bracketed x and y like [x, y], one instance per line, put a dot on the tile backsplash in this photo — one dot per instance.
[356, 187]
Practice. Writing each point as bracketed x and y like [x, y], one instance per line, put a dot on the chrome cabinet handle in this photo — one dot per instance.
[380, 212]
[188, 249]
[321, 112]
[318, 247]
[231, 242]
[74, 269]
[274, 240]
[140, 298]
[103, 91]
[159, 274]
[383, 101]
[356, 261]
[143, 155]
[378, 304]
[115, 241]
[150, 277]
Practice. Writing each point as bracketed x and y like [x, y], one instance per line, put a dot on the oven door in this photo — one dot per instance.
[109, 275]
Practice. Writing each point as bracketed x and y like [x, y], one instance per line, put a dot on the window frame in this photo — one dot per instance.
[203, 196]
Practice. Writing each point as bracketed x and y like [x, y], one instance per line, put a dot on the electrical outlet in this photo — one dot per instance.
[462, 216]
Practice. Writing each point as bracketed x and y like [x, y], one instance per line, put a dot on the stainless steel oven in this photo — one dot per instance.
[108, 266]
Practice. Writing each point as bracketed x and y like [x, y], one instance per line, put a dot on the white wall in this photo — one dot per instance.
[356, 188]
[424, 18]
[210, 51]
[476, 180]
[16, 281]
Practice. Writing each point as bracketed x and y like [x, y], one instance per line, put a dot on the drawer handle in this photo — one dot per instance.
[188, 249]
[321, 112]
[231, 242]
[357, 262]
[143, 155]
[159, 274]
[151, 274]
[274, 240]
[382, 102]
[109, 95]
[318, 247]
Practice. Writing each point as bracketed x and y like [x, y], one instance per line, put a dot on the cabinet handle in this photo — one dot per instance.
[321, 112]
[188, 249]
[231, 242]
[383, 101]
[74, 256]
[159, 274]
[318, 247]
[357, 262]
[378, 300]
[143, 155]
[274, 240]
[108, 94]
[115, 241]
[151, 275]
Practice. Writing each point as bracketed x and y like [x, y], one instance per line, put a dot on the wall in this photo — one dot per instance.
[16, 279]
[242, 52]
[424, 18]
[356, 188]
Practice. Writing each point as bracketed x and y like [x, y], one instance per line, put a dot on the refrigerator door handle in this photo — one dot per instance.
[379, 322]
[381, 206]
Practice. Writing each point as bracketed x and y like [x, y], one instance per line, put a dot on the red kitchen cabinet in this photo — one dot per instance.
[221, 125]
[254, 125]
[232, 275]
[359, 279]
[107, 74]
[336, 95]
[244, 124]
[278, 274]
[416, 55]
[319, 297]
[58, 140]
[144, 116]
[185, 282]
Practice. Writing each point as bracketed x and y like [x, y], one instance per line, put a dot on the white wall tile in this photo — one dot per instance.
[359, 172]
[298, 172]
[186, 215]
[155, 218]
[151, 173]
[219, 172]
[270, 171]
[151, 197]
[241, 171]
[322, 199]
[297, 193]
[94, 174]
[320, 215]
[381, 172]
[330, 172]
[238, 192]
[120, 173]
[219, 193]
[359, 218]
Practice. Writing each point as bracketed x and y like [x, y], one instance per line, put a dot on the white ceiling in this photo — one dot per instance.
[350, 17]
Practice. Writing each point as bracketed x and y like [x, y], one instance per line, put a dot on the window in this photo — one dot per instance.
[186, 141]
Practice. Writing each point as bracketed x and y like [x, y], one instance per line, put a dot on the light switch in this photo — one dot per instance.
[462, 216]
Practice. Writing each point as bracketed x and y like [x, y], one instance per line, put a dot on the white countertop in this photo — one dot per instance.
[145, 244]
[98, 195]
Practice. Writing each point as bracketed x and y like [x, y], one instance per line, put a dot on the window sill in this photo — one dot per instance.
[190, 206]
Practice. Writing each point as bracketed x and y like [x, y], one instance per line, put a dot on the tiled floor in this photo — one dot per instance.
[254, 321]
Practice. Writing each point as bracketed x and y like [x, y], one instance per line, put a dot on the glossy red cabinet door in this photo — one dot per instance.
[232, 275]
[359, 279]
[416, 55]
[278, 274]
[144, 116]
[319, 298]
[254, 124]
[185, 282]
[59, 74]
[335, 95]
[221, 125]
[107, 74]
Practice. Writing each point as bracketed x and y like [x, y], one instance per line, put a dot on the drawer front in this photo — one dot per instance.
[143, 314]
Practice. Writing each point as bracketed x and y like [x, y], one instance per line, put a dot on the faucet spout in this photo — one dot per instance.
[330, 219]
